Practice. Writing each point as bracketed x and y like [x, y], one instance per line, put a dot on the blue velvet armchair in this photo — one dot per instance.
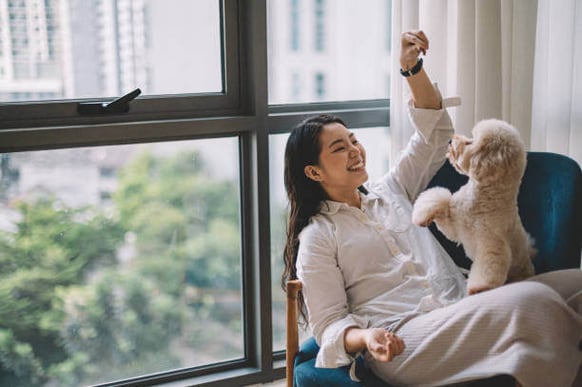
[550, 206]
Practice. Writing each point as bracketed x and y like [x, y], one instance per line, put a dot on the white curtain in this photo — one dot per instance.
[480, 50]
[557, 99]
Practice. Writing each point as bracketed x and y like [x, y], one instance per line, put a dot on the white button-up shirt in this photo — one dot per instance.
[370, 266]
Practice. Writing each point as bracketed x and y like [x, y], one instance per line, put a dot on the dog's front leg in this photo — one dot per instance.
[431, 205]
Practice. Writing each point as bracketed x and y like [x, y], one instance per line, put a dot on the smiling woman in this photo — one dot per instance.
[341, 165]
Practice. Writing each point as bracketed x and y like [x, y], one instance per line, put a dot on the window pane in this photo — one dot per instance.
[119, 261]
[57, 49]
[376, 141]
[328, 50]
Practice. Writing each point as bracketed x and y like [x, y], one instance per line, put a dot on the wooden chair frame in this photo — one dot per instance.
[293, 288]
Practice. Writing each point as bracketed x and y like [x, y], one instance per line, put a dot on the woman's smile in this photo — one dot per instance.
[360, 166]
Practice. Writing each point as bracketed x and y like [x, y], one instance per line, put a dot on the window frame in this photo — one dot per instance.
[243, 111]
[144, 108]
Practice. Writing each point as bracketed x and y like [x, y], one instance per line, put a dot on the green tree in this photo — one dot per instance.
[115, 322]
[52, 247]
[187, 231]
[71, 308]
[186, 223]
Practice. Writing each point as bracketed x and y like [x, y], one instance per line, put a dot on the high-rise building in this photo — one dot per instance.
[30, 50]
[57, 49]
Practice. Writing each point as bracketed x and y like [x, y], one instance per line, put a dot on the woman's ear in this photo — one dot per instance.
[312, 172]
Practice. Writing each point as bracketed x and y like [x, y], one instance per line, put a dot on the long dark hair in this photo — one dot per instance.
[305, 195]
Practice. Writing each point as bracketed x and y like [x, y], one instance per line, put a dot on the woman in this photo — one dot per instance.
[375, 284]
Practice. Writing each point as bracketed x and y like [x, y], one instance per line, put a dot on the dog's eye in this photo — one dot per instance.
[468, 142]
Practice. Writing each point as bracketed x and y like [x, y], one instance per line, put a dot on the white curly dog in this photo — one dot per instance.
[483, 214]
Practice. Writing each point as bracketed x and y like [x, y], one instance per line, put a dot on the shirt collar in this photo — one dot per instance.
[330, 207]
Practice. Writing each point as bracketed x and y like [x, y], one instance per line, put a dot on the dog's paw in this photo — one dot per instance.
[471, 290]
[483, 280]
[422, 218]
[430, 205]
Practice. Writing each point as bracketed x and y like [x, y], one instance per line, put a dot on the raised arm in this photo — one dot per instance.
[413, 43]
[426, 149]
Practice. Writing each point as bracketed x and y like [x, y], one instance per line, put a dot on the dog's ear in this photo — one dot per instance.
[489, 160]
[498, 152]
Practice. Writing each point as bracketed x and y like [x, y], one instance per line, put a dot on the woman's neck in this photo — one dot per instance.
[351, 198]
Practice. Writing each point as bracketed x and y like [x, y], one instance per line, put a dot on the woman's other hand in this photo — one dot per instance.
[412, 44]
[383, 345]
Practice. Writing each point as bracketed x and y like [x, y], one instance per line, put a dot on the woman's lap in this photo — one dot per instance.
[494, 332]
[568, 283]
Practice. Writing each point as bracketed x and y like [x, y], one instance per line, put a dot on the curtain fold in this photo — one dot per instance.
[480, 50]
[557, 99]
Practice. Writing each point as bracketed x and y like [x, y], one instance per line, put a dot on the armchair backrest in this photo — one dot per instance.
[550, 207]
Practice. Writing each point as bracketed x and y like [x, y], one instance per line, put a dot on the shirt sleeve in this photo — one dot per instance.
[426, 149]
[325, 296]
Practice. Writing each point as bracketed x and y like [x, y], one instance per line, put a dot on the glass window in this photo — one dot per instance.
[320, 86]
[295, 86]
[119, 261]
[92, 48]
[376, 141]
[347, 43]
[319, 25]
[295, 25]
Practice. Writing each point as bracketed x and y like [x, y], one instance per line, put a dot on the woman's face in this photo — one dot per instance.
[342, 162]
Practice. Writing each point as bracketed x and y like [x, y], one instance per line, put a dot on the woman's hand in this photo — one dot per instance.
[424, 95]
[383, 345]
[412, 43]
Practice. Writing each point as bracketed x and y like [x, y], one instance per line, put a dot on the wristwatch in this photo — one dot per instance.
[415, 69]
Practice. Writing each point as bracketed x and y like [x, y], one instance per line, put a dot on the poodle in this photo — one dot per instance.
[483, 215]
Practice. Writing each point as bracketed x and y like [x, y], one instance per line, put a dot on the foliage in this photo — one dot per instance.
[71, 307]
[53, 247]
[187, 226]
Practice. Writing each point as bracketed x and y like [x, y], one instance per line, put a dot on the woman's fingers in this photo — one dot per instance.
[399, 345]
[395, 344]
[390, 351]
[417, 39]
[386, 346]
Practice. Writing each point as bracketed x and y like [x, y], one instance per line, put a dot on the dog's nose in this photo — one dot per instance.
[450, 141]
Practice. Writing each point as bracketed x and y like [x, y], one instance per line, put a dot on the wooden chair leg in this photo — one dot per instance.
[293, 288]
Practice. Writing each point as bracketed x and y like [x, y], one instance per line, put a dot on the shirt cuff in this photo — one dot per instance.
[332, 352]
[425, 121]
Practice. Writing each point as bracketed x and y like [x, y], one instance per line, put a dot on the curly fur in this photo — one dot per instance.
[483, 214]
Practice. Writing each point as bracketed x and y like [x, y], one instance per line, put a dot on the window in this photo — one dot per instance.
[295, 24]
[347, 45]
[142, 246]
[66, 51]
[320, 85]
[319, 25]
[295, 87]
[126, 258]
[141, 45]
